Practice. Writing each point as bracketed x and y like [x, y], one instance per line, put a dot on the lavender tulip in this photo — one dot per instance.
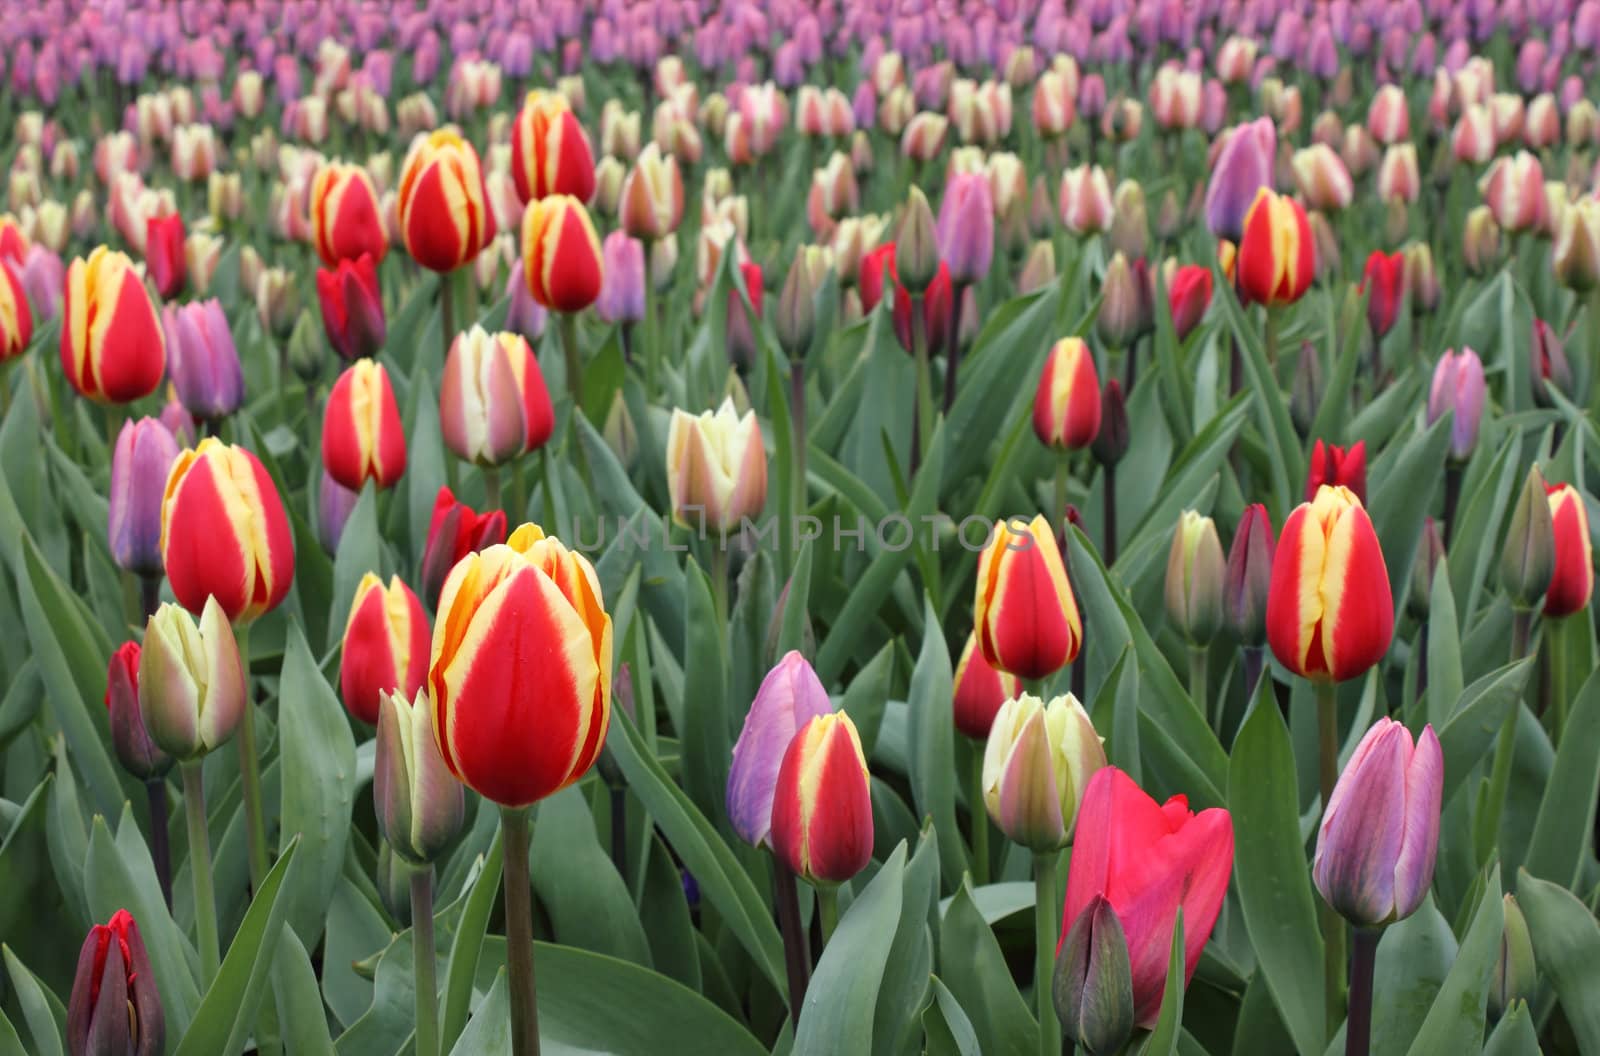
[790, 696]
[523, 315]
[1380, 832]
[1458, 386]
[966, 227]
[201, 359]
[144, 453]
[1243, 167]
[622, 289]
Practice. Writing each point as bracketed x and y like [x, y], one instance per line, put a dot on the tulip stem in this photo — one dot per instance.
[719, 582]
[796, 955]
[423, 966]
[1557, 657]
[160, 850]
[1058, 515]
[519, 933]
[149, 595]
[205, 898]
[1505, 750]
[827, 910]
[1198, 688]
[922, 427]
[250, 770]
[568, 321]
[797, 422]
[1333, 963]
[1364, 955]
[980, 818]
[1045, 928]
[491, 488]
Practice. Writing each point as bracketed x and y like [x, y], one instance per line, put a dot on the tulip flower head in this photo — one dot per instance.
[1243, 168]
[561, 255]
[493, 402]
[1380, 832]
[1148, 860]
[137, 753]
[164, 258]
[385, 646]
[201, 359]
[1248, 577]
[1572, 579]
[1025, 614]
[550, 153]
[352, 307]
[1575, 255]
[1093, 985]
[1085, 200]
[115, 1006]
[966, 228]
[1528, 558]
[980, 690]
[1330, 614]
[1066, 405]
[144, 452]
[1195, 574]
[1188, 297]
[790, 696]
[454, 531]
[16, 318]
[346, 219]
[652, 196]
[443, 203]
[520, 670]
[1513, 189]
[822, 803]
[419, 805]
[112, 347]
[1458, 387]
[716, 467]
[361, 434]
[1382, 280]
[1332, 464]
[1036, 764]
[192, 689]
[1275, 262]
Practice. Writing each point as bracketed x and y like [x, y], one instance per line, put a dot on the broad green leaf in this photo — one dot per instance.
[1163, 1039]
[664, 912]
[1566, 945]
[707, 740]
[42, 1013]
[1514, 1035]
[1455, 1022]
[1445, 679]
[301, 1017]
[933, 766]
[585, 898]
[1413, 959]
[1565, 828]
[945, 1024]
[467, 944]
[488, 1032]
[973, 966]
[360, 551]
[1468, 734]
[903, 990]
[1403, 498]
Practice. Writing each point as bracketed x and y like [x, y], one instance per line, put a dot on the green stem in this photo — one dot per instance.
[1333, 966]
[1593, 324]
[427, 993]
[1058, 515]
[491, 488]
[719, 582]
[519, 497]
[1045, 929]
[923, 434]
[205, 898]
[1198, 686]
[250, 770]
[980, 818]
[828, 910]
[519, 933]
[1555, 642]
[568, 322]
[1505, 750]
[796, 950]
[797, 422]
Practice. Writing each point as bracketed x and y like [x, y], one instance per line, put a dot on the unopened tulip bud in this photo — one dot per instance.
[1380, 829]
[1126, 313]
[305, 348]
[620, 433]
[137, 753]
[277, 302]
[790, 696]
[716, 467]
[1322, 178]
[335, 504]
[822, 807]
[1421, 278]
[1516, 972]
[192, 689]
[980, 691]
[1305, 396]
[1195, 575]
[1276, 257]
[1430, 551]
[924, 136]
[965, 229]
[1093, 985]
[1041, 210]
[419, 805]
[1039, 269]
[1188, 297]
[1583, 124]
[1111, 443]
[1025, 613]
[1036, 763]
[1547, 365]
[1130, 225]
[1480, 241]
[1513, 190]
[1575, 257]
[1572, 577]
[1066, 406]
[1334, 465]
[1528, 560]
[622, 289]
[797, 308]
[1458, 387]
[1248, 576]
[1382, 280]
[916, 244]
[115, 1006]
[1243, 167]
[1085, 200]
[144, 452]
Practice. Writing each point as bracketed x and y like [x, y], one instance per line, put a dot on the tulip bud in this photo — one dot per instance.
[1188, 297]
[1527, 562]
[620, 433]
[137, 753]
[1575, 257]
[144, 452]
[1066, 405]
[1572, 576]
[1547, 365]
[924, 135]
[622, 289]
[1024, 612]
[352, 307]
[1129, 223]
[1516, 972]
[1430, 551]
[493, 402]
[1039, 269]
[1382, 282]
[277, 302]
[123, 358]
[1195, 572]
[821, 823]
[201, 359]
[790, 696]
[1036, 764]
[1111, 442]
[192, 690]
[1380, 829]
[1248, 576]
[1085, 200]
[335, 503]
[1458, 387]
[1125, 311]
[454, 531]
[442, 207]
[419, 805]
[716, 467]
[980, 690]
[1421, 278]
[797, 308]
[561, 255]
[916, 245]
[305, 349]
[1093, 985]
[1041, 210]
[163, 254]
[1243, 168]
[1513, 190]
[346, 223]
[1480, 241]
[115, 1007]
[965, 229]
[1276, 262]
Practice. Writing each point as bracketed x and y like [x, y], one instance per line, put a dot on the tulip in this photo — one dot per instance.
[14, 242]
[1398, 177]
[1480, 245]
[1195, 576]
[1175, 98]
[1148, 860]
[352, 307]
[1516, 972]
[739, 329]
[202, 253]
[1085, 200]
[966, 228]
[1025, 614]
[1111, 442]
[796, 319]
[1275, 262]
[1036, 764]
[1572, 579]
[1243, 168]
[454, 531]
[385, 646]
[202, 360]
[1380, 832]
[1126, 313]
[916, 253]
[1583, 124]
[1575, 257]
[1188, 296]
[1322, 178]
[561, 255]
[1130, 225]
[789, 698]
[192, 690]
[1387, 118]
[115, 1006]
[980, 690]
[224, 533]
[277, 304]
[361, 434]
[622, 291]
[112, 347]
[1066, 405]
[716, 467]
[443, 202]
[419, 806]
[822, 806]
[1093, 984]
[520, 669]
[550, 153]
[16, 319]
[924, 135]
[1039, 269]
[1513, 189]
[1054, 104]
[335, 503]
[163, 254]
[1472, 140]
[652, 196]
[1247, 579]
[1382, 280]
[346, 221]
[1547, 365]
[1420, 278]
[1541, 128]
[1334, 465]
[1506, 114]
[1458, 387]
[137, 753]
[493, 403]
[1527, 561]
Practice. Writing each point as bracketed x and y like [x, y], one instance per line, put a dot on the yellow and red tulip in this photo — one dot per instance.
[443, 203]
[1275, 261]
[1066, 407]
[224, 532]
[651, 204]
[561, 255]
[822, 805]
[16, 320]
[549, 152]
[346, 219]
[361, 434]
[112, 346]
[1330, 613]
[1025, 614]
[979, 691]
[520, 669]
[493, 403]
[1572, 583]
[385, 646]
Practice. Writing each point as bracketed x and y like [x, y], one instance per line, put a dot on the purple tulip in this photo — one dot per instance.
[1380, 832]
[790, 696]
[115, 1005]
[335, 503]
[144, 453]
[622, 289]
[524, 315]
[1249, 574]
[1092, 97]
[966, 227]
[1243, 167]
[1322, 54]
[43, 279]
[1458, 386]
[201, 359]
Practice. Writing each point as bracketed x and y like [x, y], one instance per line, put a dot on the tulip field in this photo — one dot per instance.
[831, 528]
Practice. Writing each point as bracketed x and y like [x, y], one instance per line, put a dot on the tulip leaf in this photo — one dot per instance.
[488, 1032]
[1403, 497]
[866, 697]
[974, 969]
[228, 1008]
[1565, 825]
[1470, 730]
[30, 838]
[1475, 539]
[664, 912]
[723, 882]
[707, 742]
[301, 1016]
[1163, 1039]
[1445, 679]
[360, 551]
[10, 1040]
[907, 974]
[796, 602]
[425, 465]
[1455, 1022]
[356, 927]
[947, 1030]
[1566, 946]
[1283, 447]
[318, 761]
[587, 901]
[1514, 1035]
[933, 768]
[1413, 960]
[1270, 870]
[42, 1013]
[467, 944]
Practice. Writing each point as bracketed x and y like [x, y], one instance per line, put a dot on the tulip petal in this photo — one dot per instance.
[1424, 788]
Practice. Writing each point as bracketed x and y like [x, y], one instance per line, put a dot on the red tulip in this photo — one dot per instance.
[1276, 257]
[1188, 297]
[1332, 464]
[352, 307]
[979, 691]
[112, 346]
[1573, 582]
[385, 646]
[822, 804]
[454, 531]
[361, 435]
[164, 258]
[1382, 280]
[1067, 408]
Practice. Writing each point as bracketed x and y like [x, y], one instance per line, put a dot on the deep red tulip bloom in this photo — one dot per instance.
[1383, 281]
[352, 307]
[1332, 464]
[163, 254]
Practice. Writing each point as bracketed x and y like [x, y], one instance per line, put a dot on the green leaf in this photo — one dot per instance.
[837, 1019]
[1467, 734]
[360, 551]
[1413, 960]
[933, 766]
[904, 987]
[946, 1026]
[791, 632]
[1565, 827]
[974, 968]
[488, 1033]
[1283, 447]
[580, 889]
[664, 912]
[318, 761]
[1445, 678]
[1566, 945]
[1270, 870]
[1455, 1022]
[1163, 1039]
[301, 1017]
[41, 1012]
[1514, 1034]
[10, 1041]
[229, 1007]
[1403, 498]
[707, 740]
[467, 944]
